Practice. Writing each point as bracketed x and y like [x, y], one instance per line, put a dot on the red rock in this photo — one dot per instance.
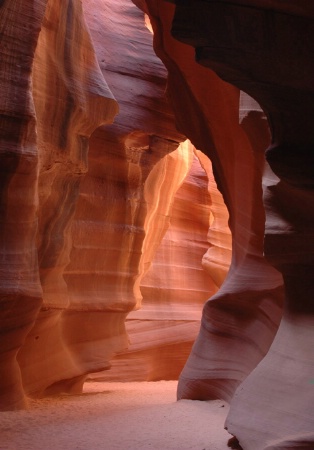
[88, 224]
[19, 284]
[275, 400]
[87, 208]
[176, 285]
[230, 343]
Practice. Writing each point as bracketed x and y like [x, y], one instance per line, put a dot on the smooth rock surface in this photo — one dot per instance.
[85, 204]
[275, 402]
[99, 219]
[240, 321]
[177, 284]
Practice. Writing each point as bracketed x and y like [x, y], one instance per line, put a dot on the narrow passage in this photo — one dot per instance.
[117, 416]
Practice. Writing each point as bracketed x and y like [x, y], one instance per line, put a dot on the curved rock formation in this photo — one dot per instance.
[240, 321]
[277, 396]
[83, 213]
[176, 284]
[54, 97]
[104, 259]
[19, 165]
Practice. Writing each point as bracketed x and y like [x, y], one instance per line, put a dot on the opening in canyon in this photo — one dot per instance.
[185, 257]
[113, 232]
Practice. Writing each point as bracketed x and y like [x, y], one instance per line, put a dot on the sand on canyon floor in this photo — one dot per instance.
[117, 416]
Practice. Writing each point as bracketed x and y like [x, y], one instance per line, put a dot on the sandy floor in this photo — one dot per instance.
[117, 416]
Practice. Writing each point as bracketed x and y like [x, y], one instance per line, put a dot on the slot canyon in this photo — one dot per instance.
[157, 208]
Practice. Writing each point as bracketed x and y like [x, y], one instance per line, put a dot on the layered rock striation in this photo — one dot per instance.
[240, 321]
[53, 96]
[264, 49]
[19, 196]
[99, 219]
[85, 204]
[177, 282]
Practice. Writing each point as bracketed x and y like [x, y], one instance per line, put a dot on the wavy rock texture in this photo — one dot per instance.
[84, 211]
[240, 321]
[276, 400]
[125, 200]
[71, 99]
[175, 287]
[19, 283]
[54, 97]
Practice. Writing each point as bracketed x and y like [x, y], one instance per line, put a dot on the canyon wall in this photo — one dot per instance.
[178, 281]
[53, 96]
[19, 165]
[86, 203]
[264, 49]
[240, 321]
[114, 231]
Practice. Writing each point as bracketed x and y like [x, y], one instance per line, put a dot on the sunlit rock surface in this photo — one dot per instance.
[178, 283]
[53, 97]
[85, 205]
[240, 321]
[265, 48]
[108, 217]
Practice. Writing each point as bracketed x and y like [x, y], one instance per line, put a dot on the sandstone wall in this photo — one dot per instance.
[177, 283]
[86, 204]
[97, 219]
[264, 49]
[240, 321]
[53, 97]
[19, 196]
